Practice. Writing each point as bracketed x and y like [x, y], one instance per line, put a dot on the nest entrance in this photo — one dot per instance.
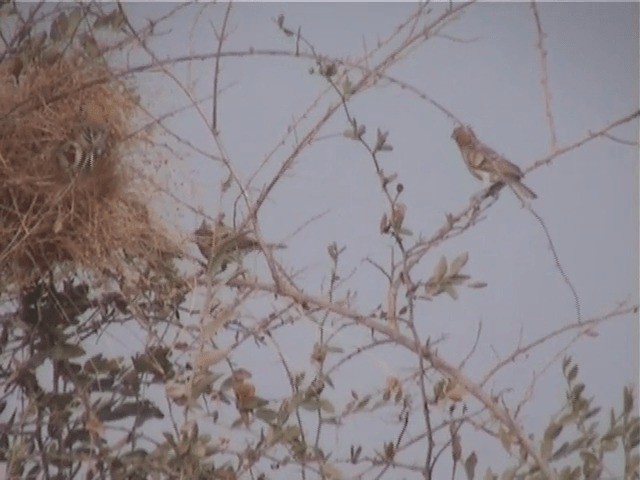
[49, 215]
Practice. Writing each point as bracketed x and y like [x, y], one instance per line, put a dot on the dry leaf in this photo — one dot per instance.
[211, 357]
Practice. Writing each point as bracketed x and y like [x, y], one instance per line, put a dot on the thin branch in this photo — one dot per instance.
[221, 38]
[556, 259]
[544, 74]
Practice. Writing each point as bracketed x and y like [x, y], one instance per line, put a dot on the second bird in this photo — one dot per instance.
[223, 242]
[489, 166]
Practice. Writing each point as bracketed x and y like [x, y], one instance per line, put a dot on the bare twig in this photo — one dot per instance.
[544, 74]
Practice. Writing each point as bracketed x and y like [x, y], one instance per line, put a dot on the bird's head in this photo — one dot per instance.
[463, 135]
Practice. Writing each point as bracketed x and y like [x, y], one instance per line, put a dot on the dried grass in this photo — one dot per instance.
[95, 221]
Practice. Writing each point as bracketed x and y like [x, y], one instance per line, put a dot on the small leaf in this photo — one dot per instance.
[66, 351]
[89, 45]
[211, 357]
[477, 284]
[381, 140]
[347, 87]
[546, 448]
[628, 400]
[634, 438]
[456, 448]
[591, 413]
[451, 291]
[439, 271]
[470, 465]
[326, 406]
[458, 263]
[573, 373]
[349, 133]
[505, 439]
[57, 225]
[331, 472]
[363, 403]
[561, 452]
[290, 433]
[552, 431]
[73, 20]
[58, 27]
[458, 279]
[566, 361]
[267, 415]
[113, 20]
[488, 475]
[576, 391]
[385, 226]
[509, 474]
[226, 184]
[398, 213]
[221, 318]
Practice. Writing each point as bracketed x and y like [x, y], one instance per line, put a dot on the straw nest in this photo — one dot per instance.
[94, 222]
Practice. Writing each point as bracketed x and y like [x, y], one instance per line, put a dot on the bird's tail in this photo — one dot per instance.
[523, 191]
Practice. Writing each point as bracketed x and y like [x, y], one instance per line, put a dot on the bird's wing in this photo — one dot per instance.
[496, 164]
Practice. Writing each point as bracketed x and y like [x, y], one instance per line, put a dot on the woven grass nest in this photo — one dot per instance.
[92, 222]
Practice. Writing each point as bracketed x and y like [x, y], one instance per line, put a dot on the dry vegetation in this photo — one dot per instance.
[49, 220]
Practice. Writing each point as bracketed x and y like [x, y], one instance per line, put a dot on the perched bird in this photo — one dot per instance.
[222, 242]
[489, 166]
[81, 154]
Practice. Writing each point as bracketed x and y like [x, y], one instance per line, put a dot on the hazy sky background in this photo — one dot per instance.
[485, 69]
